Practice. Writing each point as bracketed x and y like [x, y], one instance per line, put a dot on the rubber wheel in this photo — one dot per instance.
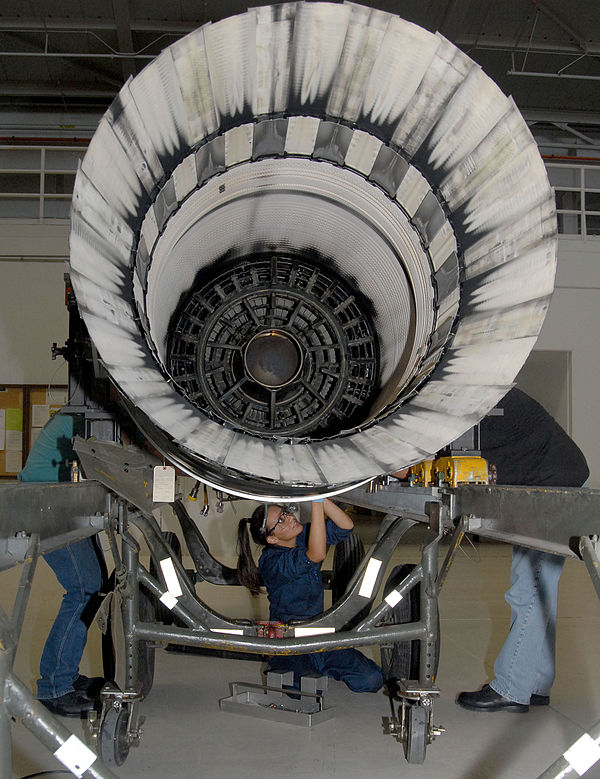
[146, 649]
[347, 556]
[113, 744]
[416, 733]
[402, 659]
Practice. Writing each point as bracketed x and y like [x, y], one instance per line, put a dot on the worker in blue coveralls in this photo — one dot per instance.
[527, 447]
[290, 569]
[78, 568]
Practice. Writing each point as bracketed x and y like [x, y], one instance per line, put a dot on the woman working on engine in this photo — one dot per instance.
[290, 569]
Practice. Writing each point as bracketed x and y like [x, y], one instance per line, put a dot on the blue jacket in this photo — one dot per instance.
[293, 581]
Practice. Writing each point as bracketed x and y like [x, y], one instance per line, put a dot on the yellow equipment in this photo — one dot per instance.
[421, 474]
[460, 469]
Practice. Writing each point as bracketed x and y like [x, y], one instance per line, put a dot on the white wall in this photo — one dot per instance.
[33, 315]
[573, 324]
[32, 310]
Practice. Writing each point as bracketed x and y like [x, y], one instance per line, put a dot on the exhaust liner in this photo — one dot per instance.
[312, 243]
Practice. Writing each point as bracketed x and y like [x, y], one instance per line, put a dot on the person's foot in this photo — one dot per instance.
[71, 704]
[539, 700]
[89, 686]
[487, 699]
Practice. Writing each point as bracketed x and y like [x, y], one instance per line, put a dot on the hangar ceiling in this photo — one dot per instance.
[66, 59]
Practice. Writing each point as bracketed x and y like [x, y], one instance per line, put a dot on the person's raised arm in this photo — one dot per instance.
[337, 515]
[317, 538]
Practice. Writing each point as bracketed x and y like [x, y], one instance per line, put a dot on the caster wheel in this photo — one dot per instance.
[416, 734]
[113, 743]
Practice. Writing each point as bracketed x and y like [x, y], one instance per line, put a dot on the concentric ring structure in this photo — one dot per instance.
[312, 243]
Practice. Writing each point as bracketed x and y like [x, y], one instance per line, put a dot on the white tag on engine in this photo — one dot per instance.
[163, 487]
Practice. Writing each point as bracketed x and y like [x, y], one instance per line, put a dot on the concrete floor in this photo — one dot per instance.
[186, 735]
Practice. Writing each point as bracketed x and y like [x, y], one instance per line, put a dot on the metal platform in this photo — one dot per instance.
[273, 702]
[57, 514]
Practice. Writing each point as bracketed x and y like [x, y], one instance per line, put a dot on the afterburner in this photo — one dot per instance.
[312, 243]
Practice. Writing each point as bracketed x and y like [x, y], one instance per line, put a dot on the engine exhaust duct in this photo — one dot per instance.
[312, 243]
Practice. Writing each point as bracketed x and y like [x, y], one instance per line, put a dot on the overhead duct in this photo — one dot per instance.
[312, 243]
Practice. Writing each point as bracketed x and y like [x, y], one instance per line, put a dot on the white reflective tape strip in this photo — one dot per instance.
[169, 600]
[299, 632]
[393, 598]
[75, 756]
[583, 754]
[227, 630]
[171, 579]
[368, 582]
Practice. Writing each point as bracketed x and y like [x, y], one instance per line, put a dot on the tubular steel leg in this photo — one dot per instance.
[10, 632]
[589, 553]
[455, 542]
[24, 591]
[48, 730]
[5, 721]
[131, 601]
[429, 612]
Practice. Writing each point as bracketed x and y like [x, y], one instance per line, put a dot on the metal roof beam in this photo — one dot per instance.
[555, 117]
[513, 45]
[124, 37]
[8, 24]
[580, 39]
[43, 89]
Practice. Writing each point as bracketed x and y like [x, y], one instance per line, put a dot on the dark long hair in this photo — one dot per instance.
[248, 573]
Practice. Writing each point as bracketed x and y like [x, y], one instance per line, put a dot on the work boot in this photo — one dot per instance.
[89, 686]
[487, 699]
[71, 704]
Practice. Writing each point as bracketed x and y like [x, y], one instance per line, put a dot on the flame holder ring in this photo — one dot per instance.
[277, 346]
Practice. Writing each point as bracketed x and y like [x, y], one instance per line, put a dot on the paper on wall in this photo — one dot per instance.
[14, 418]
[13, 462]
[40, 414]
[14, 440]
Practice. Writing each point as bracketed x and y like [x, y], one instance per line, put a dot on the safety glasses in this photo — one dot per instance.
[281, 517]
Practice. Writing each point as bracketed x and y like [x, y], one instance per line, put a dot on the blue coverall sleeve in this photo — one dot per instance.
[49, 455]
[335, 534]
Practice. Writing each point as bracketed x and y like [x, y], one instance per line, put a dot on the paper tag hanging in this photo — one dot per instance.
[163, 488]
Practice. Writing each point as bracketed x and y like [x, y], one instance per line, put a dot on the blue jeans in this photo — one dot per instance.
[347, 665]
[525, 664]
[77, 568]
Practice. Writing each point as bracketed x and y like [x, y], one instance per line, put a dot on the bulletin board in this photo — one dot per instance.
[12, 401]
[24, 410]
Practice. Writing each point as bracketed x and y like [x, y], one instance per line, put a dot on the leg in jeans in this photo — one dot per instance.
[78, 570]
[352, 667]
[526, 662]
[346, 665]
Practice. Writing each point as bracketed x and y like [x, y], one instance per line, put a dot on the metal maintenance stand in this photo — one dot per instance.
[562, 521]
